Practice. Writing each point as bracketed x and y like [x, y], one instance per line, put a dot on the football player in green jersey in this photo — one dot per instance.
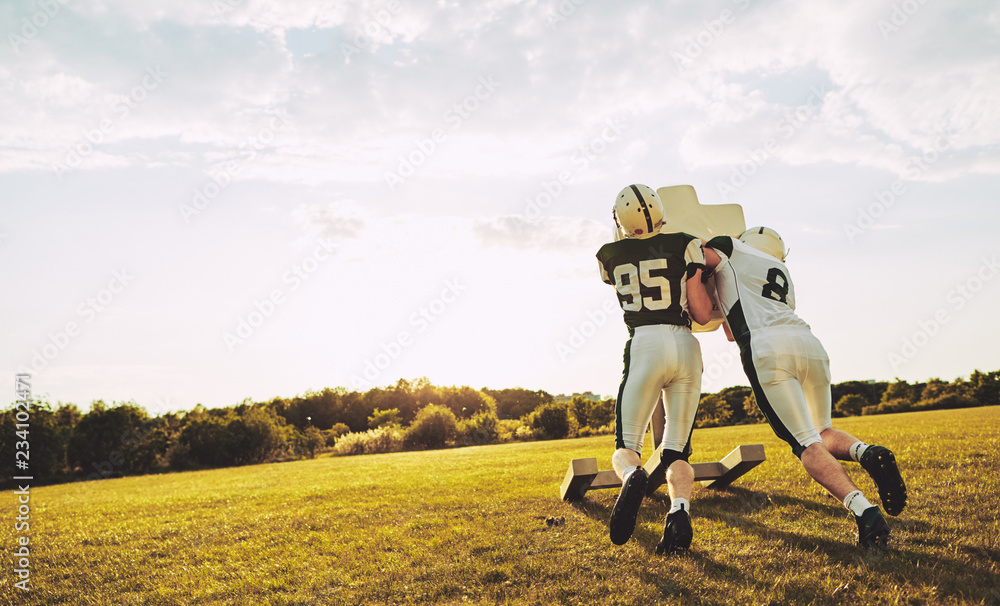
[657, 277]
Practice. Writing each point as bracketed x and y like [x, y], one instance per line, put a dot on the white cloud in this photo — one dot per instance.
[233, 69]
[888, 99]
[568, 235]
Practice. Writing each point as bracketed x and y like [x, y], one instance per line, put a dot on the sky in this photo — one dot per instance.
[202, 202]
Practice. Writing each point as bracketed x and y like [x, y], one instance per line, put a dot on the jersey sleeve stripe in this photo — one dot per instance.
[722, 244]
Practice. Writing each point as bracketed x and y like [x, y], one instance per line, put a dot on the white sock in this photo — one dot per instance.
[856, 502]
[679, 504]
[857, 449]
[628, 471]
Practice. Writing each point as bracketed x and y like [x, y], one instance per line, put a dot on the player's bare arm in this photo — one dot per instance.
[712, 259]
[699, 303]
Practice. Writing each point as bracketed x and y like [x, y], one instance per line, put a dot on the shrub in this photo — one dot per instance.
[115, 440]
[483, 428]
[527, 433]
[434, 427]
[507, 429]
[379, 418]
[713, 411]
[207, 441]
[580, 407]
[752, 411]
[373, 441]
[900, 394]
[313, 440]
[947, 401]
[590, 415]
[335, 432]
[552, 420]
[601, 414]
[259, 435]
[850, 405]
[889, 406]
[223, 438]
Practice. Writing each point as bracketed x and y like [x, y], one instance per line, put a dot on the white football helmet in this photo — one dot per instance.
[638, 211]
[766, 240]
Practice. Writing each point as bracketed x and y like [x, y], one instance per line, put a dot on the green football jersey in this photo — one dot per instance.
[650, 276]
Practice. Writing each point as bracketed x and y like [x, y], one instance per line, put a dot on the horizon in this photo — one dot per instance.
[557, 397]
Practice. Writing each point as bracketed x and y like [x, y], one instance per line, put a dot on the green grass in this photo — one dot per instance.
[468, 526]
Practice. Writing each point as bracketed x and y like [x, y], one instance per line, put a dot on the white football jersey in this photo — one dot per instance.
[754, 289]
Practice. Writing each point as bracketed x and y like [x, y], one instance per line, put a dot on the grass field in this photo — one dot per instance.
[469, 526]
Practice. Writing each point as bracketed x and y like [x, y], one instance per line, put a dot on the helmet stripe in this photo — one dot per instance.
[645, 208]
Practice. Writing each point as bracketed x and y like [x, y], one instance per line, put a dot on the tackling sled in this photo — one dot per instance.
[683, 212]
[584, 476]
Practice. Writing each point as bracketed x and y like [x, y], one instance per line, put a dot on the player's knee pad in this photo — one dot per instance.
[667, 457]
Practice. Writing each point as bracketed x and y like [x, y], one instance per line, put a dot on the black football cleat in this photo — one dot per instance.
[880, 464]
[677, 533]
[627, 507]
[873, 532]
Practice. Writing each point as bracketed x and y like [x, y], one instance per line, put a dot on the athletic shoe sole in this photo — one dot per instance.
[627, 507]
[880, 464]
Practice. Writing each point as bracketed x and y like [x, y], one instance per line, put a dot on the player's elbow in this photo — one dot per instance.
[701, 312]
[700, 307]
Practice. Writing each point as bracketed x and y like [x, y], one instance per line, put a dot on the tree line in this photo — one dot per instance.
[124, 439]
[736, 405]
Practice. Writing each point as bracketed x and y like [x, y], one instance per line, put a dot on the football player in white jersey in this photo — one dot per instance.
[789, 372]
[657, 277]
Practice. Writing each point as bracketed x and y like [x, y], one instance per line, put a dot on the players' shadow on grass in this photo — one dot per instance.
[675, 589]
[909, 564]
[734, 504]
[742, 510]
